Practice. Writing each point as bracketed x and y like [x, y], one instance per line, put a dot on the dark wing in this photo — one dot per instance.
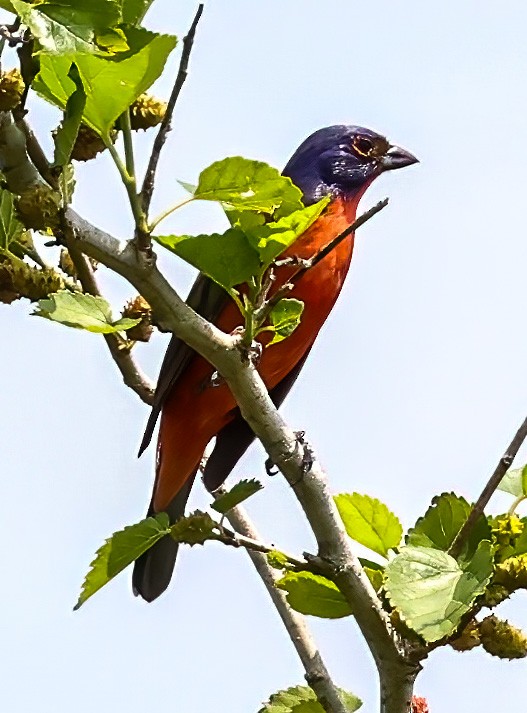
[234, 438]
[207, 299]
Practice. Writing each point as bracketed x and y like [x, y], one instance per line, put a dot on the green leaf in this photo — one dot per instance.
[277, 559]
[120, 550]
[515, 482]
[302, 699]
[66, 134]
[432, 592]
[313, 594]
[228, 259]
[11, 228]
[80, 311]
[195, 529]
[369, 522]
[248, 185]
[271, 239]
[236, 495]
[111, 84]
[74, 26]
[441, 523]
[285, 318]
[133, 11]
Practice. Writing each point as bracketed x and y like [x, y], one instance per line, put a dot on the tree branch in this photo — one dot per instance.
[247, 387]
[143, 239]
[495, 479]
[132, 375]
[317, 675]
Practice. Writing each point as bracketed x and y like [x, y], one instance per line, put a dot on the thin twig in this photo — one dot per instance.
[143, 240]
[237, 539]
[320, 255]
[495, 479]
[317, 675]
[132, 375]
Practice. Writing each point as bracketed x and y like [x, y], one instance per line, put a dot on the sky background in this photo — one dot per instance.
[416, 385]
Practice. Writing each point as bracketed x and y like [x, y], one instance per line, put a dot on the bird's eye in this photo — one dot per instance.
[363, 146]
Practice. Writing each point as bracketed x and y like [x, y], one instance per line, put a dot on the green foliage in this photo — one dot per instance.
[277, 559]
[271, 239]
[313, 594]
[369, 522]
[441, 523]
[285, 318]
[227, 259]
[236, 495]
[248, 185]
[111, 84]
[67, 132]
[11, 228]
[195, 529]
[302, 699]
[431, 591]
[81, 311]
[515, 482]
[120, 550]
[133, 11]
[250, 189]
[74, 26]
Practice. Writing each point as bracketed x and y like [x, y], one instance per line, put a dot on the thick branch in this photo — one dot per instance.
[495, 479]
[148, 183]
[258, 410]
[317, 675]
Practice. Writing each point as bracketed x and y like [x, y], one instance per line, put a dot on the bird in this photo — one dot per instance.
[338, 162]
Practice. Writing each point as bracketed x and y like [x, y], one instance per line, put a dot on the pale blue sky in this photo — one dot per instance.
[414, 388]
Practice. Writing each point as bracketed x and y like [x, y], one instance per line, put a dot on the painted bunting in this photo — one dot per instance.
[339, 162]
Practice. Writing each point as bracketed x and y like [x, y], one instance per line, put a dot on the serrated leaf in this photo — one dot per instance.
[369, 522]
[431, 591]
[120, 550]
[248, 185]
[515, 482]
[81, 311]
[271, 239]
[227, 259]
[111, 84]
[11, 228]
[313, 594]
[133, 11]
[285, 318]
[74, 26]
[195, 529]
[66, 134]
[302, 699]
[441, 523]
[236, 495]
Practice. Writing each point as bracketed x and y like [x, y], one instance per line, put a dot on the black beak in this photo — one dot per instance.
[397, 157]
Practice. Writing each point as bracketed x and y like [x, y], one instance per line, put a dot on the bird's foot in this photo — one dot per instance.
[307, 458]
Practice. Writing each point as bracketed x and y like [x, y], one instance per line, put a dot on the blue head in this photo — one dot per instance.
[342, 161]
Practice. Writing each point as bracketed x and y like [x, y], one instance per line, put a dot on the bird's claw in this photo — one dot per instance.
[307, 458]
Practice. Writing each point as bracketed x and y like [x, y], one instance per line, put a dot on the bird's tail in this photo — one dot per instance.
[153, 570]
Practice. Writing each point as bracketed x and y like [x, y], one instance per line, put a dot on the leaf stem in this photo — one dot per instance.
[129, 182]
[126, 129]
[154, 223]
[515, 504]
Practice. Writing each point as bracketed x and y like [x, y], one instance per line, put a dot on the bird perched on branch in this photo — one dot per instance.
[339, 162]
